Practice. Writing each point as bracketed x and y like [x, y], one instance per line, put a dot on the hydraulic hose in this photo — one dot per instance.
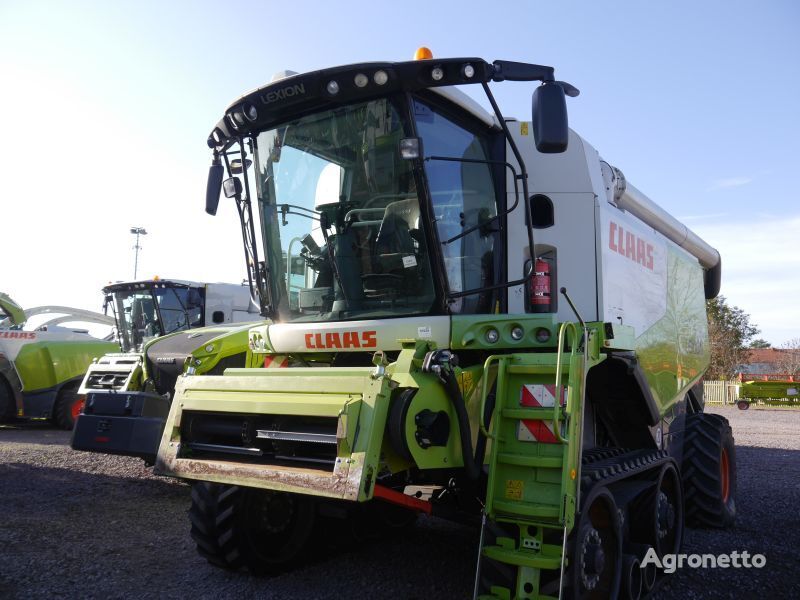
[471, 465]
[473, 461]
[439, 362]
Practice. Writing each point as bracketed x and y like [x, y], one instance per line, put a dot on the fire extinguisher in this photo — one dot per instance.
[540, 287]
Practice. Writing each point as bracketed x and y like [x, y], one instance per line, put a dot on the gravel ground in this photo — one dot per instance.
[79, 525]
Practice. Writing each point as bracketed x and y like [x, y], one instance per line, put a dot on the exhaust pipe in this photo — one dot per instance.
[632, 577]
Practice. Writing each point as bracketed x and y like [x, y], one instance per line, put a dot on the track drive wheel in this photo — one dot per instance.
[68, 406]
[709, 471]
[263, 530]
[595, 549]
[669, 519]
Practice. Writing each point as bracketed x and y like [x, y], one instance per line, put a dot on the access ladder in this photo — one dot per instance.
[534, 470]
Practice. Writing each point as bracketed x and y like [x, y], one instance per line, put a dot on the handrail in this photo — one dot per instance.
[573, 349]
[289, 264]
[486, 365]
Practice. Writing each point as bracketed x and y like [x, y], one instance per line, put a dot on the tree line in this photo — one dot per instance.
[732, 336]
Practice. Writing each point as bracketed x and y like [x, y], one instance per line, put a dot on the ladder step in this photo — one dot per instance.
[533, 414]
[527, 509]
[548, 462]
[546, 559]
[541, 369]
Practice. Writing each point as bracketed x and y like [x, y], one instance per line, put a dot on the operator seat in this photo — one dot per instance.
[395, 263]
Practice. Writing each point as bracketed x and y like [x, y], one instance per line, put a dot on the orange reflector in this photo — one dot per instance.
[572, 474]
[423, 53]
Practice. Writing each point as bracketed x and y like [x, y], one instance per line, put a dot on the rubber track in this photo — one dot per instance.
[213, 522]
[615, 464]
[605, 466]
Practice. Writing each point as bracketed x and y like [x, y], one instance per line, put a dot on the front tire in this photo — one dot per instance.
[262, 530]
[709, 471]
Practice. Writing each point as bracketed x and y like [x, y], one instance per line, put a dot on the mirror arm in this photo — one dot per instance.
[506, 70]
[523, 172]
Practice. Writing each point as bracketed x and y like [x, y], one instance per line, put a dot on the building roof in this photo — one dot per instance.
[764, 355]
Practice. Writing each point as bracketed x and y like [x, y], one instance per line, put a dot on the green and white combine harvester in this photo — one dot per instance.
[41, 367]
[164, 326]
[469, 316]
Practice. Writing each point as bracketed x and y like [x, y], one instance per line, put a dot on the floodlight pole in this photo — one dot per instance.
[137, 231]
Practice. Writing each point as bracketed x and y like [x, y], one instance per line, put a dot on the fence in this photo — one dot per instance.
[721, 392]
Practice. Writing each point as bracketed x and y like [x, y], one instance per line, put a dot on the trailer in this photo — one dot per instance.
[774, 392]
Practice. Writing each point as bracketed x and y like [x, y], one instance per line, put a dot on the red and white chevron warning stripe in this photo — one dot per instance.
[539, 395]
[276, 361]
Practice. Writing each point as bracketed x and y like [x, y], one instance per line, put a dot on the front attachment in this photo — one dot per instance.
[127, 423]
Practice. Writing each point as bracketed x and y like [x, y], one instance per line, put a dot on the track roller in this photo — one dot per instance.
[595, 556]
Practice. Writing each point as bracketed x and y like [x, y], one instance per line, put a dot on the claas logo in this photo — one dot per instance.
[344, 340]
[630, 246]
[18, 335]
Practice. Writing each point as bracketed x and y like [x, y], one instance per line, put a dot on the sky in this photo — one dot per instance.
[106, 107]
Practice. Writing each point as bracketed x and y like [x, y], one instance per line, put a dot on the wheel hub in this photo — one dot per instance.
[665, 514]
[275, 513]
[593, 559]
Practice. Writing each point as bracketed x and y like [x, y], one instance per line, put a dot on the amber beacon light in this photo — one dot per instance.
[423, 53]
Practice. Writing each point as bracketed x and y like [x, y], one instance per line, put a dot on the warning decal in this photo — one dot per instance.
[514, 489]
[539, 396]
[276, 361]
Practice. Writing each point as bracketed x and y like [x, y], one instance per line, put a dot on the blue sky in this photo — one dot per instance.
[107, 105]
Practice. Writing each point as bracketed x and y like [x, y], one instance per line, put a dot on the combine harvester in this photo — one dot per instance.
[479, 319]
[41, 368]
[164, 326]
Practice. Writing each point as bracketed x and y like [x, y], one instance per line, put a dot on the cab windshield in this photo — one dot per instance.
[144, 314]
[340, 216]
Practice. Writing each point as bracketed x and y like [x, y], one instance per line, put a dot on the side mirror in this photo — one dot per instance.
[549, 116]
[232, 187]
[214, 185]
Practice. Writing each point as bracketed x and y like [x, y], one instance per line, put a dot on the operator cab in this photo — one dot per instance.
[346, 221]
[144, 310]
[378, 197]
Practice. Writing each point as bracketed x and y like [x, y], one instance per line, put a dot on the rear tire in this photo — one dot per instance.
[8, 408]
[709, 471]
[262, 530]
[68, 406]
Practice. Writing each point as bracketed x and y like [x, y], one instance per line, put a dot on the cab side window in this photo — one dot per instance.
[463, 196]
